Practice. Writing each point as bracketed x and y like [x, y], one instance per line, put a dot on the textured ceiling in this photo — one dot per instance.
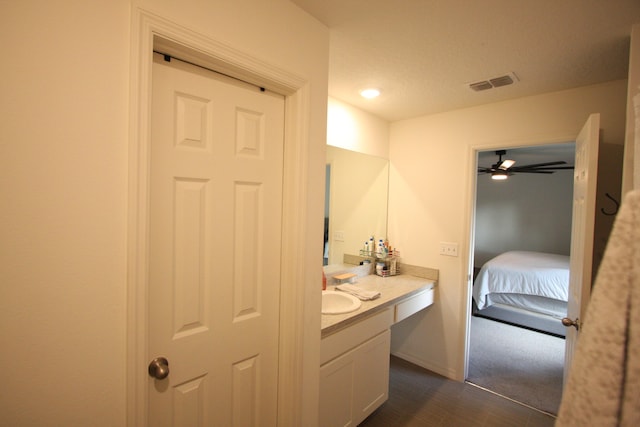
[423, 54]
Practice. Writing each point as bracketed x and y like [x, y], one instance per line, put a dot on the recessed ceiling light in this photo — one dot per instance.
[370, 93]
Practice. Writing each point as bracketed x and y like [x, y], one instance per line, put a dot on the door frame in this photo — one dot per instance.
[467, 264]
[151, 31]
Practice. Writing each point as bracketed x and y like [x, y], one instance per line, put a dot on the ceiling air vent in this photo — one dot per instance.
[478, 86]
[499, 81]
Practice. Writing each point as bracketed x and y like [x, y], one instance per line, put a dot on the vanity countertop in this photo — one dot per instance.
[393, 289]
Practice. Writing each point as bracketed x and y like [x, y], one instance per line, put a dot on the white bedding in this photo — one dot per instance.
[523, 272]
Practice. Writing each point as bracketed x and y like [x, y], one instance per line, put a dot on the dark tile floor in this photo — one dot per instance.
[420, 398]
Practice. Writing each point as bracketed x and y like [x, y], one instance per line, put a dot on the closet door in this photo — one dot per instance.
[214, 248]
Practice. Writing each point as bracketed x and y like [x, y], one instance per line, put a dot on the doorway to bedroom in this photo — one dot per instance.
[516, 342]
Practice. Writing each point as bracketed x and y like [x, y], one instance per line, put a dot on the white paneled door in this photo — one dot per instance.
[215, 232]
[582, 226]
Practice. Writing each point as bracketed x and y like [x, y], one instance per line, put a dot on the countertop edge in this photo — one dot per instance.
[336, 327]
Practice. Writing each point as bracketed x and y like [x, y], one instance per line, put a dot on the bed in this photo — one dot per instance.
[529, 289]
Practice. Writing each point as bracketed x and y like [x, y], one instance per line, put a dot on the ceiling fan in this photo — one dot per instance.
[504, 168]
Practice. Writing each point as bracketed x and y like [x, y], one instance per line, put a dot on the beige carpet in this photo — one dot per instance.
[523, 365]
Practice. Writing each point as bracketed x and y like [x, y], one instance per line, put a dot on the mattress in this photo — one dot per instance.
[529, 289]
[522, 273]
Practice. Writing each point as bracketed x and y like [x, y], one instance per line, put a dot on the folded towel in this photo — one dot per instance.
[358, 292]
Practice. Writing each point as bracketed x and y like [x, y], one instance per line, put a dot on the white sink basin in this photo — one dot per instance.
[335, 302]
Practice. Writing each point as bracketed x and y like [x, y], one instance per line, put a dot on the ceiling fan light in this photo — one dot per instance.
[499, 175]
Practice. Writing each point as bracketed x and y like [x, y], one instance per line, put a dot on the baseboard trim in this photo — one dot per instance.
[433, 367]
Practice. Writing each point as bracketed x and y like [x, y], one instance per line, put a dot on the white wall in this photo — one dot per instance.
[63, 166]
[431, 188]
[356, 130]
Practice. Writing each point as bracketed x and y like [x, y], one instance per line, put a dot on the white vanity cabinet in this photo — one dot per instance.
[355, 348]
[354, 371]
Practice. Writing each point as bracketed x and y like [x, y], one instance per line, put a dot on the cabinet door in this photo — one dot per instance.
[371, 376]
[336, 391]
[353, 385]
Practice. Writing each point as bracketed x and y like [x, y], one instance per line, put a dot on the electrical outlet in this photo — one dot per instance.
[449, 249]
[338, 236]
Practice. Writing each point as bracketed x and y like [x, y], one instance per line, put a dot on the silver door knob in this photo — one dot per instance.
[159, 368]
[568, 322]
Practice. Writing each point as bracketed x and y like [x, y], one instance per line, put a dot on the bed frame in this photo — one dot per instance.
[522, 318]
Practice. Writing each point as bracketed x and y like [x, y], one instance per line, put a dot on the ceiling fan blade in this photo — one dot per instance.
[507, 166]
[538, 165]
[547, 171]
[556, 168]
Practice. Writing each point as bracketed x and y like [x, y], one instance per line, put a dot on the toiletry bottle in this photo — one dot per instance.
[379, 268]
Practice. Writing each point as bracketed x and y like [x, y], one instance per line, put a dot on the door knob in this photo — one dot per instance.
[159, 368]
[568, 322]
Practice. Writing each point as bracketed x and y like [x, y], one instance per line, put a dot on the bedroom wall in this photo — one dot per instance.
[64, 189]
[431, 191]
[525, 212]
[608, 195]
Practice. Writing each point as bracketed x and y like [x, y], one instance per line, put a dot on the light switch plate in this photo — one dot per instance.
[338, 236]
[448, 249]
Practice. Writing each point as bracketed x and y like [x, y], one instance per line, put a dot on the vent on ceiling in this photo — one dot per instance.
[499, 81]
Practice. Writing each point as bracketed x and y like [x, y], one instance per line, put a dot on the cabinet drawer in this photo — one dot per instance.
[413, 305]
[340, 342]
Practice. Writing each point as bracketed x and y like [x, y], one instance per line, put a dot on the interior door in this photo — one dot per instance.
[582, 224]
[215, 232]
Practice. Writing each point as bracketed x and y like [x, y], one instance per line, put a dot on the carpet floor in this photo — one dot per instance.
[520, 364]
[421, 398]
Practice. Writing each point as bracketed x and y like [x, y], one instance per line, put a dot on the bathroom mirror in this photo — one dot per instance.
[356, 197]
